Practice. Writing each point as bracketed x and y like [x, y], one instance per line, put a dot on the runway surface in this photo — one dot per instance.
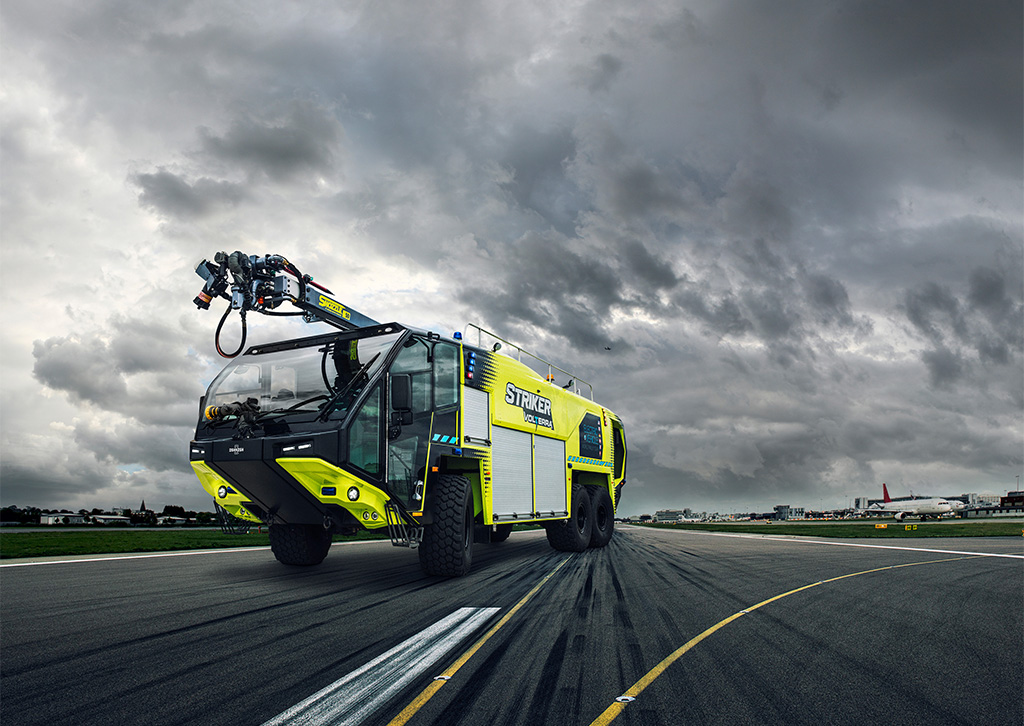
[693, 627]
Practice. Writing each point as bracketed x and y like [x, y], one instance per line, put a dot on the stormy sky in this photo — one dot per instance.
[782, 239]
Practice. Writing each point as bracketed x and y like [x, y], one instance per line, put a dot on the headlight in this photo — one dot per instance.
[353, 493]
[222, 492]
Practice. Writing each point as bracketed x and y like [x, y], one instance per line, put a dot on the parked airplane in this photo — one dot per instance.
[923, 508]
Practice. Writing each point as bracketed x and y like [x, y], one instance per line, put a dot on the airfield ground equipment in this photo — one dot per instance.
[377, 426]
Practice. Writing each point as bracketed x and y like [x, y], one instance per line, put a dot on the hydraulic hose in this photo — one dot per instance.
[216, 338]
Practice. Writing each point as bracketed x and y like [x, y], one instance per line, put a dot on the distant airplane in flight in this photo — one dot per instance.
[923, 508]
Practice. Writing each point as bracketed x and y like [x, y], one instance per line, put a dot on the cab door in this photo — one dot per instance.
[408, 430]
[432, 368]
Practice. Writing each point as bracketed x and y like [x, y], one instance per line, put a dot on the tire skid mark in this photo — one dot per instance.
[427, 693]
[185, 629]
[541, 702]
[617, 706]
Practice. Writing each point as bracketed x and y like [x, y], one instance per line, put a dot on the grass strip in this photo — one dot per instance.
[859, 530]
[72, 541]
[59, 543]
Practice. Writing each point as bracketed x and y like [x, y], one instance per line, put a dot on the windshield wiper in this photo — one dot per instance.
[295, 407]
[336, 398]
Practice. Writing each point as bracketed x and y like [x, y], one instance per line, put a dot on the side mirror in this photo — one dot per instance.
[401, 398]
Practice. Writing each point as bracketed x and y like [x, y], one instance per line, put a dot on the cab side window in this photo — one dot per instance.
[364, 436]
[446, 375]
[415, 360]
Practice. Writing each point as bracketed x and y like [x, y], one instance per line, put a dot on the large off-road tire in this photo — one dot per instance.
[573, 534]
[447, 546]
[501, 533]
[604, 517]
[299, 544]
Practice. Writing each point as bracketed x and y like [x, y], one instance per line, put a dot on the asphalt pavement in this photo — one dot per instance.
[682, 627]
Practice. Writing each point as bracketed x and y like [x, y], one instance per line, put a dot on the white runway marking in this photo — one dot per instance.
[352, 699]
[850, 544]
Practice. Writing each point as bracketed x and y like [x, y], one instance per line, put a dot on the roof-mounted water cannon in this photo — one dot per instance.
[262, 284]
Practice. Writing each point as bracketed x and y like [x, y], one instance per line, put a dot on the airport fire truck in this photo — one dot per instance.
[378, 426]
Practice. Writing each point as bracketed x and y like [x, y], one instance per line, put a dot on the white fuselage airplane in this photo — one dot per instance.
[922, 508]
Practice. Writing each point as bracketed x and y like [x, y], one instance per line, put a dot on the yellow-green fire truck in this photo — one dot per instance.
[376, 426]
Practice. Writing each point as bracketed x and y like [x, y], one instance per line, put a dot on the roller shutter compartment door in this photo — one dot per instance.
[478, 413]
[549, 463]
[511, 473]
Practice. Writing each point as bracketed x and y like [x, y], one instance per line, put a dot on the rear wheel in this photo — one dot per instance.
[604, 517]
[299, 544]
[447, 546]
[573, 534]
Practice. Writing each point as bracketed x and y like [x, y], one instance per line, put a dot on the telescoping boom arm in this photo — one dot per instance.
[262, 284]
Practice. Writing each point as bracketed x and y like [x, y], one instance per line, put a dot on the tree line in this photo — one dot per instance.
[33, 515]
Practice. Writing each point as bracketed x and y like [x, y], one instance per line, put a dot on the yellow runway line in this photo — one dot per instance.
[609, 714]
[427, 693]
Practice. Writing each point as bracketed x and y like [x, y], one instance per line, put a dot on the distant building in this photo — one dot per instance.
[110, 519]
[58, 518]
[1012, 499]
[668, 515]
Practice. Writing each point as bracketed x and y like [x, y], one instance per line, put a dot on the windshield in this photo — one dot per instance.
[305, 378]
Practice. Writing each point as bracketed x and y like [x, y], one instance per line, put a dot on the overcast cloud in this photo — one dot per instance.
[783, 240]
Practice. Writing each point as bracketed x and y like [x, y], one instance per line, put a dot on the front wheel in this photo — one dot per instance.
[299, 544]
[447, 546]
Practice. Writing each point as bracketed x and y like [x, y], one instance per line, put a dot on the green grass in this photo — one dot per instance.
[84, 542]
[75, 541]
[867, 529]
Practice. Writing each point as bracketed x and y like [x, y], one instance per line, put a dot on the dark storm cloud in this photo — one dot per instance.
[539, 183]
[573, 287]
[640, 190]
[547, 284]
[989, 295]
[133, 368]
[988, 290]
[306, 142]
[944, 366]
[157, 448]
[947, 437]
[170, 194]
[81, 368]
[957, 60]
[829, 299]
[47, 481]
[773, 316]
[985, 322]
[753, 205]
[600, 75]
[933, 309]
[723, 316]
[649, 268]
